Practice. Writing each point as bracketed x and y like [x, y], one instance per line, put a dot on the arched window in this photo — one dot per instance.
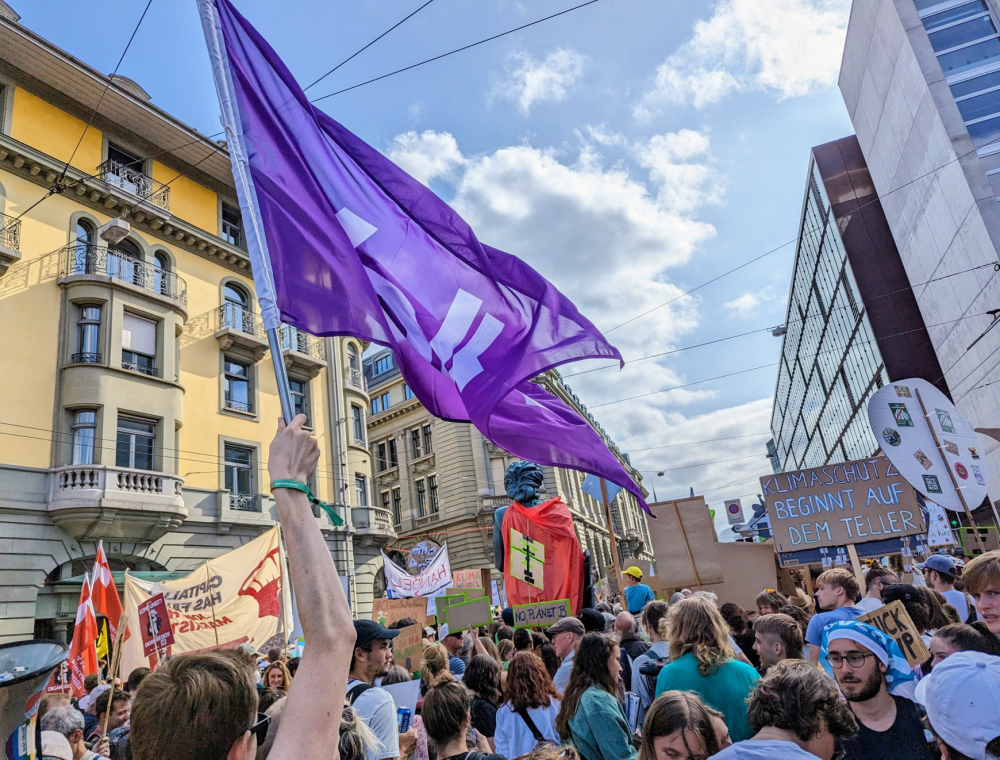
[235, 311]
[353, 360]
[125, 262]
[84, 260]
[161, 264]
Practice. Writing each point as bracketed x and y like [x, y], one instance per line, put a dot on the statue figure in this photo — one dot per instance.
[549, 524]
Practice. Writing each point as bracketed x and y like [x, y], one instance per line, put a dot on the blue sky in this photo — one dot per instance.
[629, 150]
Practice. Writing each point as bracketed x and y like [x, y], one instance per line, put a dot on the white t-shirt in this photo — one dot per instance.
[869, 604]
[959, 601]
[378, 710]
[764, 750]
[513, 737]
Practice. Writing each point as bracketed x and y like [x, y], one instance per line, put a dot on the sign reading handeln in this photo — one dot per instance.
[540, 614]
[154, 625]
[895, 622]
[840, 504]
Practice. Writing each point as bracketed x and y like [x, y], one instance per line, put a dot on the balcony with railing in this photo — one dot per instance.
[85, 358]
[373, 526]
[355, 378]
[303, 352]
[144, 505]
[82, 259]
[242, 327]
[10, 241]
[119, 176]
[142, 367]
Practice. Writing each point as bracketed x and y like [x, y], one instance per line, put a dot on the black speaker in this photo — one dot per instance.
[25, 667]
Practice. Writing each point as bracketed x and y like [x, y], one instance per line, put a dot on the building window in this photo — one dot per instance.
[161, 265]
[407, 392]
[397, 507]
[380, 403]
[383, 364]
[237, 377]
[427, 440]
[384, 499]
[415, 452]
[232, 225]
[432, 490]
[135, 443]
[361, 489]
[421, 499]
[497, 472]
[358, 421]
[964, 37]
[138, 345]
[236, 310]
[84, 258]
[300, 401]
[393, 459]
[124, 262]
[239, 476]
[84, 434]
[88, 336]
[352, 357]
[382, 461]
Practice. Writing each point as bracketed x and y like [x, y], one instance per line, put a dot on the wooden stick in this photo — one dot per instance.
[116, 657]
[612, 543]
[852, 552]
[687, 546]
[961, 496]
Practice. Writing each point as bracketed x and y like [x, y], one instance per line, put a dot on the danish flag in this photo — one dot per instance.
[105, 594]
[83, 651]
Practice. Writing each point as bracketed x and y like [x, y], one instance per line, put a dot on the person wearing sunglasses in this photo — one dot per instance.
[873, 676]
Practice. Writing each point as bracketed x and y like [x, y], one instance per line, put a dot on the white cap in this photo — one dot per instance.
[962, 698]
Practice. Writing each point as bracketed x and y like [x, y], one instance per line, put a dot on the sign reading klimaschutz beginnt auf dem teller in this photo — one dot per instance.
[840, 504]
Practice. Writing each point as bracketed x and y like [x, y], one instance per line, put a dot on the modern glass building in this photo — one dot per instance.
[848, 329]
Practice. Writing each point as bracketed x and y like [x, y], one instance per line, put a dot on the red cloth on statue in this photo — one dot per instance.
[551, 524]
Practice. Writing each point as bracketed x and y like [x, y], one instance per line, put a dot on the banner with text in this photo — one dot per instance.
[433, 578]
[540, 614]
[386, 612]
[840, 504]
[894, 621]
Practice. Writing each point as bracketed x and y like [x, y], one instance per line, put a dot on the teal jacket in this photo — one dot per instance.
[599, 730]
[726, 689]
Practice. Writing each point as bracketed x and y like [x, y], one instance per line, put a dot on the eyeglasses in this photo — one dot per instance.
[259, 729]
[854, 659]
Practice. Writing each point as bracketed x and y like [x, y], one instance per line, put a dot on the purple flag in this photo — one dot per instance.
[344, 242]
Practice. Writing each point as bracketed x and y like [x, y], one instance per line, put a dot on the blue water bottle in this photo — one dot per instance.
[403, 718]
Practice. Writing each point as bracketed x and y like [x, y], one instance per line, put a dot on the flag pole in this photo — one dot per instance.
[611, 541]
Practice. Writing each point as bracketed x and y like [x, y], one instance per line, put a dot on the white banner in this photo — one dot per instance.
[435, 577]
[230, 600]
[938, 529]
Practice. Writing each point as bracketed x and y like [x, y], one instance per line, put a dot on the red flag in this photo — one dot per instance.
[83, 652]
[106, 599]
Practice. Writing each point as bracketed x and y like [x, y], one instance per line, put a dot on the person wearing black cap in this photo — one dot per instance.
[372, 659]
[593, 621]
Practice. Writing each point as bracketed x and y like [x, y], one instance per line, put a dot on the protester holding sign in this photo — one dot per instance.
[877, 682]
[836, 590]
[982, 580]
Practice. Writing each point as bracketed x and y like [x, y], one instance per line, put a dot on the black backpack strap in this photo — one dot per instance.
[357, 691]
[531, 725]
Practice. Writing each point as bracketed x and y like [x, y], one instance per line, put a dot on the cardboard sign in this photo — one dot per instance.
[385, 612]
[469, 578]
[154, 625]
[468, 593]
[895, 622]
[408, 647]
[612, 576]
[685, 544]
[540, 614]
[840, 504]
[466, 615]
[527, 560]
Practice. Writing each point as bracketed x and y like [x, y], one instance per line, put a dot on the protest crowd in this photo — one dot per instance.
[634, 677]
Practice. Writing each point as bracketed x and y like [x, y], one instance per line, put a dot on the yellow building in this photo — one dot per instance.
[140, 399]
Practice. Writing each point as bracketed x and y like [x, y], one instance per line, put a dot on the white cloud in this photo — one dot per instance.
[426, 156]
[531, 81]
[786, 47]
[744, 306]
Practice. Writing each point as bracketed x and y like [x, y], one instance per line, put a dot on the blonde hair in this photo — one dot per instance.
[434, 669]
[505, 649]
[982, 572]
[695, 626]
[286, 677]
[356, 739]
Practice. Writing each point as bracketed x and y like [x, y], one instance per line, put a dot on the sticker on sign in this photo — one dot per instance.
[154, 625]
[540, 614]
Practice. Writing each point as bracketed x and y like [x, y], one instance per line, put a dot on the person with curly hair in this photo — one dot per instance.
[796, 714]
[678, 726]
[528, 717]
[591, 715]
[703, 661]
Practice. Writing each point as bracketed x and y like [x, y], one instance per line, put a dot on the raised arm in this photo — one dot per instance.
[310, 723]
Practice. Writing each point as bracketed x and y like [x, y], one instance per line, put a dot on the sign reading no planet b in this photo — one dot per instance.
[541, 614]
[840, 504]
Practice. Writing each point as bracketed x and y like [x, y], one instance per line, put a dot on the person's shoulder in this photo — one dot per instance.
[744, 669]
[373, 698]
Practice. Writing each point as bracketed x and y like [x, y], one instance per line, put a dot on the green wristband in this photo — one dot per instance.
[299, 486]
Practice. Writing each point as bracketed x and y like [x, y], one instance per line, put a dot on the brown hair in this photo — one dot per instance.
[505, 649]
[435, 664]
[677, 711]
[773, 599]
[652, 614]
[286, 682]
[970, 638]
[941, 612]
[445, 710]
[396, 674]
[590, 668]
[878, 570]
[196, 707]
[982, 572]
[797, 696]
[482, 677]
[523, 640]
[490, 647]
[786, 629]
[696, 627]
[528, 683]
[799, 615]
[106, 699]
[838, 577]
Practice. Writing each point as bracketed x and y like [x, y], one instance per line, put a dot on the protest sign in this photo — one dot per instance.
[895, 622]
[495, 594]
[466, 615]
[468, 578]
[540, 614]
[612, 577]
[840, 504]
[408, 647]
[405, 694]
[938, 530]
[154, 625]
[684, 542]
[434, 577]
[469, 593]
[388, 611]
[230, 600]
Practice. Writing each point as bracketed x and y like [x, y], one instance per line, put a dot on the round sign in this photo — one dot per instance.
[734, 508]
[961, 471]
[891, 436]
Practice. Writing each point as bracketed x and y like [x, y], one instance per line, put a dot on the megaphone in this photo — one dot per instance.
[25, 667]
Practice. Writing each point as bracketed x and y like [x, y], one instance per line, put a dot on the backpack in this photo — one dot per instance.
[357, 691]
[650, 670]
